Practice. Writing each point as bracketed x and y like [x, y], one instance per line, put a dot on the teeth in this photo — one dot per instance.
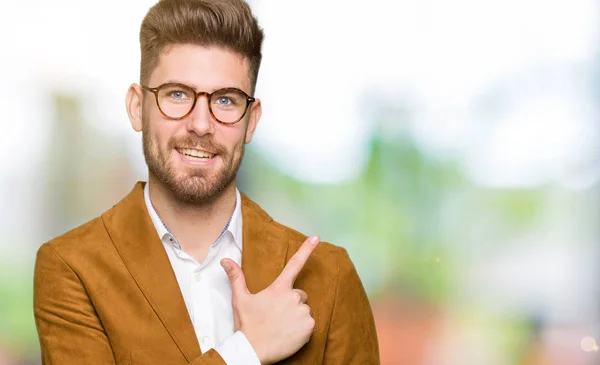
[195, 153]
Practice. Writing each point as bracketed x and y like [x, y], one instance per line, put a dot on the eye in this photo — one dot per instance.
[228, 98]
[178, 94]
[224, 100]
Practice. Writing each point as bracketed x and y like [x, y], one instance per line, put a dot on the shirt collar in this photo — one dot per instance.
[234, 226]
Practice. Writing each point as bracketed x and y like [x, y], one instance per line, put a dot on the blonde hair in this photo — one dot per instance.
[228, 24]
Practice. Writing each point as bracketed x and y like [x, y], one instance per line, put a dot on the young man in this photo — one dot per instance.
[157, 278]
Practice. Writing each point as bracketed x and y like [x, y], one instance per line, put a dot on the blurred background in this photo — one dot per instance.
[452, 147]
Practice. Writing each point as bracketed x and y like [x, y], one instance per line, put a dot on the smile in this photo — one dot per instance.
[194, 154]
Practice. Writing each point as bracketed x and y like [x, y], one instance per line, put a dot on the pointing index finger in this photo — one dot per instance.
[294, 266]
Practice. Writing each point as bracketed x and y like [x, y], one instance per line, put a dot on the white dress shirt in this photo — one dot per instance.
[206, 288]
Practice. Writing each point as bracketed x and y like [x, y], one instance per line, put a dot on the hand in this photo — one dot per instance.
[276, 321]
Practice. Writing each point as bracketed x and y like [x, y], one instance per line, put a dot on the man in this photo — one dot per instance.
[157, 278]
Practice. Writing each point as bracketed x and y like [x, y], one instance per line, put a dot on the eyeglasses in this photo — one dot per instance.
[176, 101]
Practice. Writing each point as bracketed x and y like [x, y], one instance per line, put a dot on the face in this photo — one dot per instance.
[196, 158]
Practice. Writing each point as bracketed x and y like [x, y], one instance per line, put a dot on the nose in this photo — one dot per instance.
[200, 121]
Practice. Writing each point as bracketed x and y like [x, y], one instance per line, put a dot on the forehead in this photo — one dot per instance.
[203, 68]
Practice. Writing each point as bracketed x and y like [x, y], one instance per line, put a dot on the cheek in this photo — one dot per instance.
[161, 129]
[236, 142]
[230, 137]
[161, 134]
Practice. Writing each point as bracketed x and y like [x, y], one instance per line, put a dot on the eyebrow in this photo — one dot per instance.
[175, 81]
[195, 87]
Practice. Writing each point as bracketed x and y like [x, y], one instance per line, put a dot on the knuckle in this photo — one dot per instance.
[306, 309]
[234, 274]
[295, 261]
[310, 324]
[275, 287]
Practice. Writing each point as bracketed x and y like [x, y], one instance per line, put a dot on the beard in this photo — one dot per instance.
[193, 186]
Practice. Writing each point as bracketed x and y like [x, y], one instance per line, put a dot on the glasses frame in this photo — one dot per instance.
[156, 90]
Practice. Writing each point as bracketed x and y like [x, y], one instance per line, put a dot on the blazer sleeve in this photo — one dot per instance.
[69, 329]
[352, 338]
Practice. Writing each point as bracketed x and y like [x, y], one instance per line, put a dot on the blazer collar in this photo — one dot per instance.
[265, 247]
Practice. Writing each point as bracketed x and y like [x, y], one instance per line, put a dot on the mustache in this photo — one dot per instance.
[206, 143]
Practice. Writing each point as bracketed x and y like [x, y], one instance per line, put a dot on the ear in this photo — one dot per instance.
[133, 103]
[255, 114]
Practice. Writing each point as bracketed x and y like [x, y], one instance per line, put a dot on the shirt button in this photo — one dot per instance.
[206, 341]
[197, 277]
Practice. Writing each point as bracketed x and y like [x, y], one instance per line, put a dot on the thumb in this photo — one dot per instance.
[236, 277]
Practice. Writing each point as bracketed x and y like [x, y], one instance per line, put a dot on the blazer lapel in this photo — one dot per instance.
[264, 247]
[134, 236]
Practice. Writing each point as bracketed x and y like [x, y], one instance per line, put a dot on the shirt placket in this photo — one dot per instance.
[200, 306]
[200, 288]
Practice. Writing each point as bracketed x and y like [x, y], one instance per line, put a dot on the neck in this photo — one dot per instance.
[196, 226]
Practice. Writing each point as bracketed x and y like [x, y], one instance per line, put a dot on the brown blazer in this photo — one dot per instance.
[105, 293]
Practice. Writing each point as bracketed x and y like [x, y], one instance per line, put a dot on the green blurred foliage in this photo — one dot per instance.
[406, 219]
[386, 217]
[17, 327]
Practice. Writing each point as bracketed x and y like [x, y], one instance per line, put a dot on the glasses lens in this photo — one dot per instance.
[228, 105]
[175, 100]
